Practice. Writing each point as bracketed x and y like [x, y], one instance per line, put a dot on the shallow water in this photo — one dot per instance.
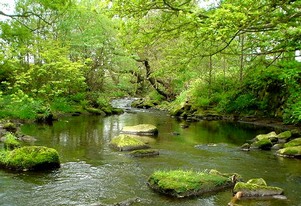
[92, 173]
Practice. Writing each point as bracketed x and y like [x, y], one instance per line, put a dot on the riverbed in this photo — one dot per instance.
[92, 173]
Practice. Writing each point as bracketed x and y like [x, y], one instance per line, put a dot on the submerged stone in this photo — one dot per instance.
[178, 183]
[144, 153]
[141, 129]
[30, 158]
[125, 142]
[294, 152]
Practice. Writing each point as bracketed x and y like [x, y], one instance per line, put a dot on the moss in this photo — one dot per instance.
[271, 136]
[293, 143]
[180, 183]
[31, 158]
[144, 153]
[257, 181]
[264, 144]
[252, 189]
[290, 152]
[125, 143]
[285, 135]
[95, 111]
[11, 142]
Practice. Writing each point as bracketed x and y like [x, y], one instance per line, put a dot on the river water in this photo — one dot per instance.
[92, 173]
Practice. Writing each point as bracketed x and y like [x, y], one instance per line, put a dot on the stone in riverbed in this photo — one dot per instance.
[125, 142]
[141, 129]
[271, 136]
[293, 143]
[144, 153]
[256, 188]
[264, 144]
[284, 136]
[30, 158]
[294, 152]
[179, 183]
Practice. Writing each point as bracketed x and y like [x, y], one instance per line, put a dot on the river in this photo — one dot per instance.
[92, 173]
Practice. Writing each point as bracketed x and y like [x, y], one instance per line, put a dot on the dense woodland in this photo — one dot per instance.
[231, 56]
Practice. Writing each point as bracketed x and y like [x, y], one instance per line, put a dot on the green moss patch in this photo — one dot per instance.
[180, 183]
[30, 158]
[264, 144]
[256, 188]
[284, 135]
[271, 136]
[144, 153]
[127, 143]
[11, 142]
[141, 129]
[293, 143]
[290, 152]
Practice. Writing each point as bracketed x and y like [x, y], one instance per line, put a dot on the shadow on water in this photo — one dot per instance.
[93, 173]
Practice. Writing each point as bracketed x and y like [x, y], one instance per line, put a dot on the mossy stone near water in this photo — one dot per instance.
[293, 143]
[264, 144]
[10, 142]
[290, 152]
[271, 136]
[284, 135]
[256, 188]
[30, 158]
[144, 153]
[125, 142]
[141, 129]
[179, 183]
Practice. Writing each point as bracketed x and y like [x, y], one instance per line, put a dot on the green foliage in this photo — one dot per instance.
[11, 142]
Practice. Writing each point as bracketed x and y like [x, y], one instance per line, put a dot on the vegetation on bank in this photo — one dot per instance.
[74, 56]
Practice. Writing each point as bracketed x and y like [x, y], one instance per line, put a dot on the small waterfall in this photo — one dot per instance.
[124, 103]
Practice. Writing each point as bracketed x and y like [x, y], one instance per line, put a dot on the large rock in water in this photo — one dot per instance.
[290, 152]
[141, 129]
[30, 158]
[178, 183]
[125, 142]
[256, 188]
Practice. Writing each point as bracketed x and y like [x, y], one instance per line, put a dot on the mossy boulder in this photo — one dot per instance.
[284, 136]
[30, 158]
[179, 183]
[294, 152]
[264, 144]
[141, 129]
[271, 136]
[144, 153]
[125, 142]
[293, 143]
[256, 188]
